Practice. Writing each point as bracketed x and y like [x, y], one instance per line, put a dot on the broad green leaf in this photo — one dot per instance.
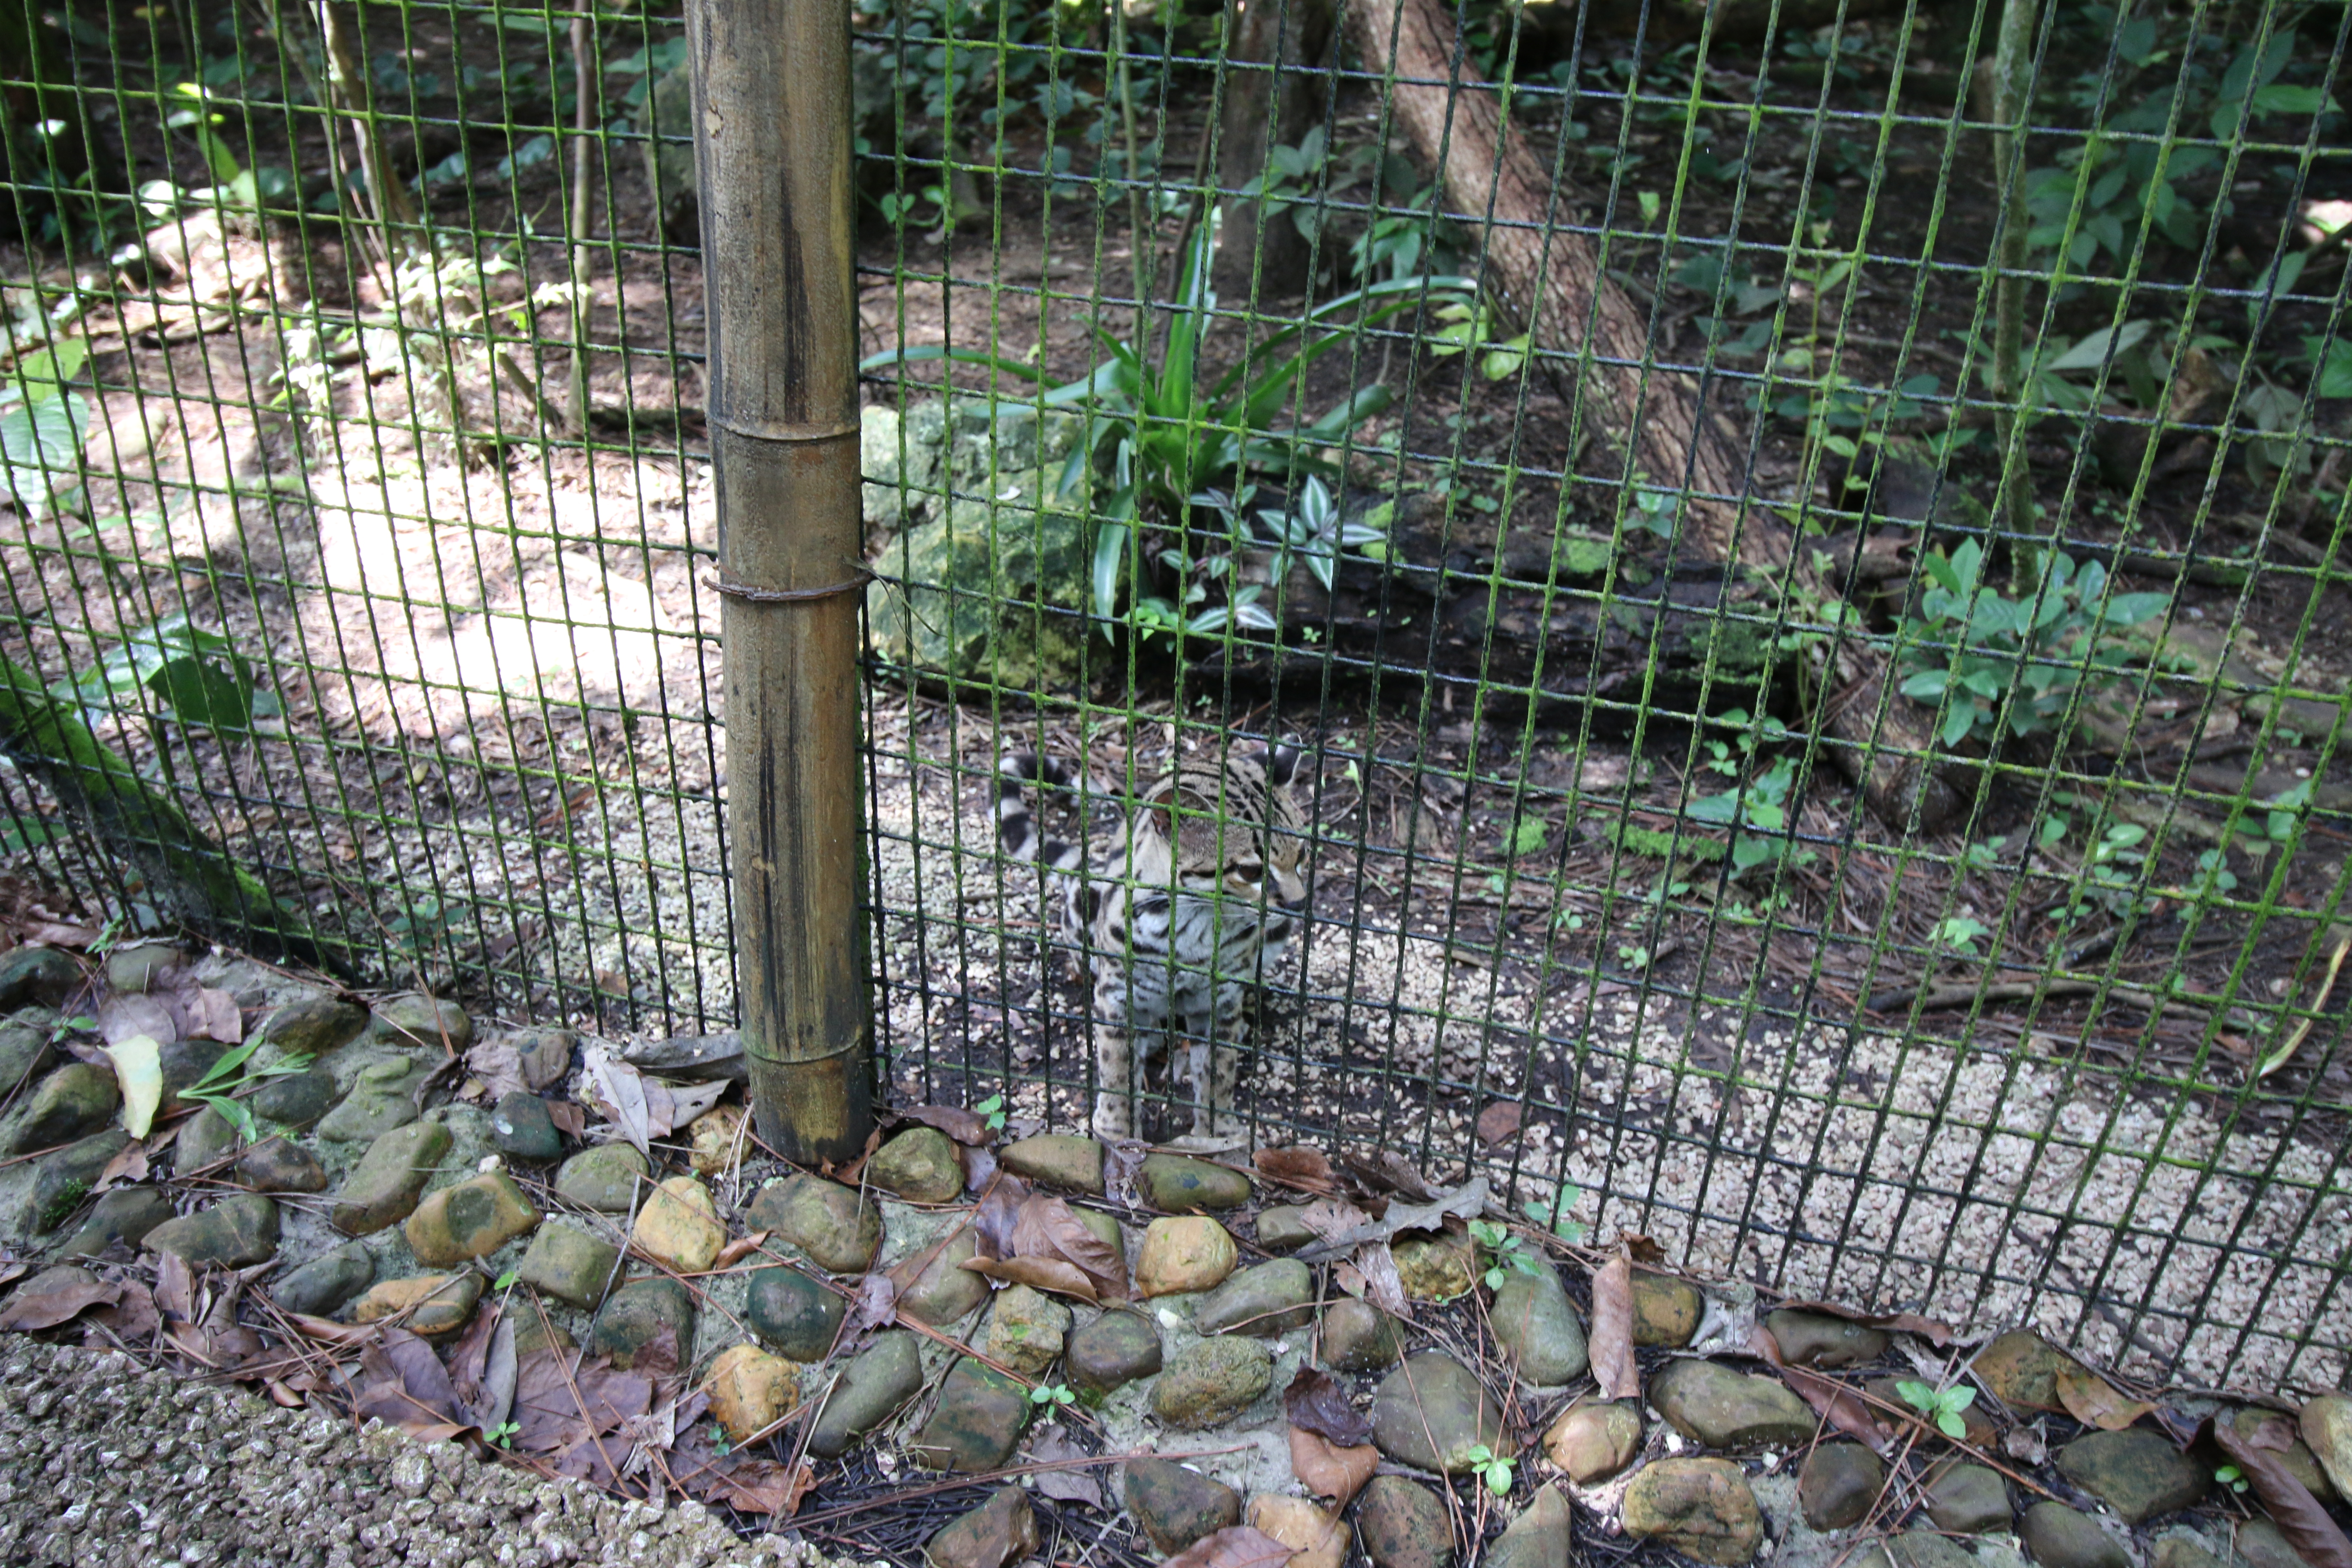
[199, 691]
[1110, 555]
[139, 1070]
[2092, 352]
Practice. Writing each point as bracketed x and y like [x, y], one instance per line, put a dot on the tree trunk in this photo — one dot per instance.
[1550, 278]
[1272, 96]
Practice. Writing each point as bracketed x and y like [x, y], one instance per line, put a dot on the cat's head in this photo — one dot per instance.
[1236, 829]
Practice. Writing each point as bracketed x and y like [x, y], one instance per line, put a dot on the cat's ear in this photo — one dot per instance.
[1281, 764]
[1160, 810]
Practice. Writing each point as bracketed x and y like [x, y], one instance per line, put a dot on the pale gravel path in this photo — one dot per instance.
[104, 1462]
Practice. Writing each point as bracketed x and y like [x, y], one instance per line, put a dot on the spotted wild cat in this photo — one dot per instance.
[1177, 909]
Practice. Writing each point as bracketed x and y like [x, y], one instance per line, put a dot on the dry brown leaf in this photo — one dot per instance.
[2093, 1401]
[214, 1016]
[328, 1332]
[1831, 1400]
[132, 1319]
[740, 1248]
[128, 1165]
[1938, 1333]
[569, 1117]
[1045, 1227]
[1329, 1470]
[1064, 1486]
[2305, 1524]
[1378, 1281]
[550, 1419]
[1055, 1274]
[498, 1065]
[1236, 1546]
[1611, 1340]
[968, 1127]
[1316, 1401]
[28, 1311]
[1499, 1121]
[175, 1288]
[1298, 1167]
[998, 1211]
[406, 1385]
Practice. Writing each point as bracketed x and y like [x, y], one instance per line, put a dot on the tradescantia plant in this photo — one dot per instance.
[1165, 434]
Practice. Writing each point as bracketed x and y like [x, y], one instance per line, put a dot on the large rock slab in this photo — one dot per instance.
[382, 1189]
[1701, 1507]
[792, 1314]
[636, 1316]
[1593, 1440]
[1001, 1531]
[935, 1286]
[1432, 1411]
[920, 1165]
[567, 1263]
[1112, 1351]
[1212, 1380]
[875, 1385]
[1541, 1537]
[839, 1228]
[1839, 1484]
[470, 1220]
[1725, 1409]
[1177, 1507]
[1056, 1160]
[2057, 1536]
[1403, 1525]
[1270, 1298]
[980, 1416]
[235, 1233]
[2135, 1472]
[1181, 1255]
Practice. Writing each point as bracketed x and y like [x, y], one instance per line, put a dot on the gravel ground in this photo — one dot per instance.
[104, 1461]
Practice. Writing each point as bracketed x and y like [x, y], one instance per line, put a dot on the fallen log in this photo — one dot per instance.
[1548, 278]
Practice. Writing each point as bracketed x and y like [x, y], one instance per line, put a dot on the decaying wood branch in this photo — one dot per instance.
[1549, 279]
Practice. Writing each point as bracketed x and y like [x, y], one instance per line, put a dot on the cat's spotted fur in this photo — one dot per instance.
[1178, 908]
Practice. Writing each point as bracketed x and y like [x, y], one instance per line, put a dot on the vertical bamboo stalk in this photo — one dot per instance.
[2013, 70]
[772, 143]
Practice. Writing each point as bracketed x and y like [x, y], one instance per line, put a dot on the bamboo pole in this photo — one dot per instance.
[772, 143]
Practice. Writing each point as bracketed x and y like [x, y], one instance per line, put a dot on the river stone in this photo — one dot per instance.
[718, 1139]
[41, 974]
[381, 1188]
[679, 1226]
[1001, 1531]
[2021, 1369]
[751, 1391]
[522, 1128]
[1433, 1399]
[1270, 1298]
[1816, 1339]
[1918, 1549]
[383, 1097]
[1435, 1268]
[941, 1290]
[314, 1026]
[472, 1219]
[121, 1214]
[1539, 1328]
[423, 1023]
[920, 1165]
[1969, 1499]
[1103, 1228]
[235, 1233]
[25, 1049]
[635, 1316]
[1111, 1351]
[2135, 1472]
[2262, 1544]
[1701, 1508]
[1024, 539]
[1839, 1484]
[1026, 1328]
[876, 1381]
[567, 1263]
[322, 1286]
[1211, 1380]
[1358, 1337]
[2057, 1536]
[297, 1101]
[181, 1063]
[1666, 1313]
[1175, 1184]
[441, 1302]
[1402, 1525]
[206, 1139]
[281, 1165]
[2326, 1424]
[1177, 1507]
[839, 1228]
[603, 1178]
[131, 971]
[72, 1103]
[1541, 1537]
[2297, 1456]
[535, 1330]
[792, 1314]
[1193, 1253]
[1595, 1440]
[1320, 1537]
[979, 1418]
[1725, 1409]
[2185, 1550]
[1280, 1228]
[61, 1180]
[1056, 1160]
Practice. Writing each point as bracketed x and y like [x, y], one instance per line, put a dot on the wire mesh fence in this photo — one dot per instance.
[1732, 616]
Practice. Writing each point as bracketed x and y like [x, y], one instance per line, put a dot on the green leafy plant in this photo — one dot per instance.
[991, 1110]
[1553, 1218]
[1470, 328]
[223, 1084]
[1959, 934]
[503, 1433]
[506, 1281]
[2230, 1476]
[1942, 1405]
[43, 423]
[193, 675]
[1163, 433]
[1509, 1250]
[1053, 1395]
[1490, 1467]
[1972, 649]
[1757, 811]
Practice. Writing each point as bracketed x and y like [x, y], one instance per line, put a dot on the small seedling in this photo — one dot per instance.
[1944, 1404]
[503, 1433]
[1509, 1250]
[1053, 1395]
[80, 1023]
[1555, 1218]
[506, 1281]
[222, 1083]
[2230, 1477]
[1492, 1469]
[1959, 934]
[992, 1108]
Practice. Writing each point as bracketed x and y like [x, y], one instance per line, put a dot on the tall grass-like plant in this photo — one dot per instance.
[1164, 434]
